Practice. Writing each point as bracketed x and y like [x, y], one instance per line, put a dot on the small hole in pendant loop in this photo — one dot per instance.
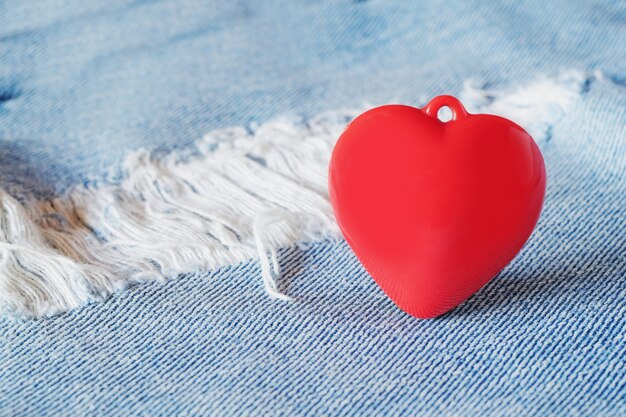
[444, 114]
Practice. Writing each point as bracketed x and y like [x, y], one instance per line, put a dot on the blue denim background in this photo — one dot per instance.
[82, 83]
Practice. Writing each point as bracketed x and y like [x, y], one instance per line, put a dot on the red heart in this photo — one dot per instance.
[434, 210]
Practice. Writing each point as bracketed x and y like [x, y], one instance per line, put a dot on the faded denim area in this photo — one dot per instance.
[82, 83]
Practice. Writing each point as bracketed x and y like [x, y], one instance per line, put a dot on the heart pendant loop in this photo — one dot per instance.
[433, 107]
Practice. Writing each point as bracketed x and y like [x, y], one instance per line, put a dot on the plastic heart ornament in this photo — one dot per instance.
[432, 209]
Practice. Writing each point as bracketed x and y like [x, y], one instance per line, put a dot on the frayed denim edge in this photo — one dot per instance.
[236, 194]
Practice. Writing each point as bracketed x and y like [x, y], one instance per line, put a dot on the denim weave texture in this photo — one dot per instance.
[83, 83]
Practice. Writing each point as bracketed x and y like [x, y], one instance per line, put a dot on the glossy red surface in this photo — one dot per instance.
[434, 210]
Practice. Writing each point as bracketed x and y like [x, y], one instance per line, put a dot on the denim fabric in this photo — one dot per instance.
[82, 83]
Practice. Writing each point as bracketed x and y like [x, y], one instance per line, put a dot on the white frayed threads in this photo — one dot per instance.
[236, 196]
[535, 106]
[233, 197]
[36, 279]
[268, 258]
